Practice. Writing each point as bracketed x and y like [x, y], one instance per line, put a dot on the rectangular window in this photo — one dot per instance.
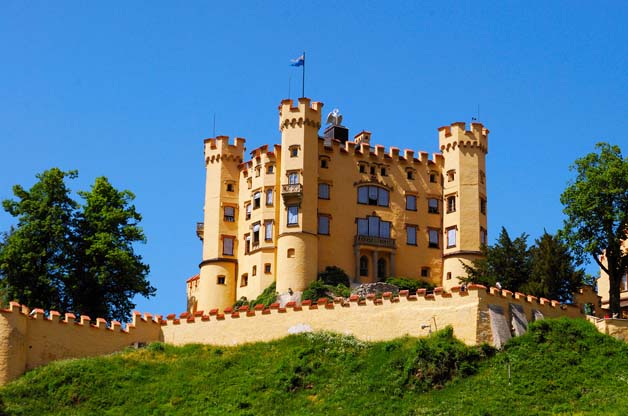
[323, 224]
[410, 175]
[382, 199]
[293, 215]
[382, 171]
[248, 211]
[433, 238]
[623, 284]
[323, 191]
[256, 228]
[363, 226]
[363, 197]
[268, 232]
[482, 236]
[293, 178]
[294, 151]
[451, 204]
[227, 246]
[230, 187]
[269, 197]
[432, 206]
[267, 268]
[432, 178]
[384, 229]
[425, 272]
[362, 168]
[451, 237]
[373, 226]
[324, 163]
[229, 214]
[411, 235]
[247, 243]
[270, 169]
[258, 171]
[483, 206]
[221, 280]
[411, 202]
[257, 200]
[244, 280]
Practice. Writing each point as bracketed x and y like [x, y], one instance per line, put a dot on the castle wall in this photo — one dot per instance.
[476, 315]
[30, 340]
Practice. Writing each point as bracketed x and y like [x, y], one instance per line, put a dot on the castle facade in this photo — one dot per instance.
[313, 201]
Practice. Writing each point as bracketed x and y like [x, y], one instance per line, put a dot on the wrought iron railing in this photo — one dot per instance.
[375, 241]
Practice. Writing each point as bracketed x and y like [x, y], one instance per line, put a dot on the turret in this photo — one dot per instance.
[297, 245]
[219, 231]
[464, 197]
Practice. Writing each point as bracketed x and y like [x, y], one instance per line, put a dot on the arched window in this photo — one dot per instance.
[364, 266]
[373, 195]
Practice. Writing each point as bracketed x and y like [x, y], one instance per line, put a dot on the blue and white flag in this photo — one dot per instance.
[300, 61]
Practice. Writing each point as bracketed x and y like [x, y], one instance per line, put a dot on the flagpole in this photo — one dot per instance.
[303, 80]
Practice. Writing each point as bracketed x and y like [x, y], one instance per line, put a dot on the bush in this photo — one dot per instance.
[334, 276]
[403, 283]
[318, 289]
[268, 296]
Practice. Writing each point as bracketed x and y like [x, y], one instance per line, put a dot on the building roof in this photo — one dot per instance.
[193, 278]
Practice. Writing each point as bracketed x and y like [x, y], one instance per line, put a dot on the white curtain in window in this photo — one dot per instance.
[269, 197]
[293, 215]
[269, 230]
[227, 246]
[451, 237]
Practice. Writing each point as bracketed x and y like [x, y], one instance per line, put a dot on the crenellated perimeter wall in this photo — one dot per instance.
[477, 314]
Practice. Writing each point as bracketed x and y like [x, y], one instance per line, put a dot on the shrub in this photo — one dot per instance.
[403, 283]
[268, 296]
[318, 289]
[334, 276]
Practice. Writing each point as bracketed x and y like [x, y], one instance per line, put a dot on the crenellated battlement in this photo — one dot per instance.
[219, 148]
[362, 150]
[456, 135]
[305, 113]
[476, 313]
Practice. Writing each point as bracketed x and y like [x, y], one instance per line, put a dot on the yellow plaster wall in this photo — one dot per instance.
[31, 340]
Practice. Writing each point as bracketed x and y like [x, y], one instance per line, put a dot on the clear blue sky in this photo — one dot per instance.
[128, 90]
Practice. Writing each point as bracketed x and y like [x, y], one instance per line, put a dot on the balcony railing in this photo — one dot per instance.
[200, 228]
[375, 241]
[292, 192]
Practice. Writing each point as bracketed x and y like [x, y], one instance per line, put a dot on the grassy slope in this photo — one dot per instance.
[559, 367]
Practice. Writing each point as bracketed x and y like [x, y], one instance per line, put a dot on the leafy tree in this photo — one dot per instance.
[506, 262]
[106, 271]
[554, 274]
[596, 205]
[34, 256]
[546, 269]
[70, 258]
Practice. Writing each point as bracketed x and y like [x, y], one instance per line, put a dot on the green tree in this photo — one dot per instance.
[554, 274]
[70, 258]
[106, 272]
[507, 262]
[34, 255]
[596, 206]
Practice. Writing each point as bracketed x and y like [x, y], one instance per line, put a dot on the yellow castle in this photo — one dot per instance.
[324, 200]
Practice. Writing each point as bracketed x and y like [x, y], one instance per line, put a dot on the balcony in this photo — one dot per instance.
[292, 193]
[200, 227]
[370, 240]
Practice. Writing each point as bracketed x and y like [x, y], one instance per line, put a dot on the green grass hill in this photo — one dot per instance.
[559, 367]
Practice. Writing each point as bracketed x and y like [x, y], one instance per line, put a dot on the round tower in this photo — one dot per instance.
[297, 244]
[219, 231]
[464, 197]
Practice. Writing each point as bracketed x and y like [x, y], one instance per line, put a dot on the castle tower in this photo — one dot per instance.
[464, 197]
[297, 244]
[219, 232]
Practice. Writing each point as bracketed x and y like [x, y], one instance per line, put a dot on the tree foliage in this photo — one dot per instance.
[596, 206]
[546, 269]
[71, 257]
